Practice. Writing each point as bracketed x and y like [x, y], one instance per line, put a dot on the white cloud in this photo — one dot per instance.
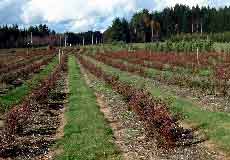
[82, 15]
[92, 14]
[170, 3]
[9, 11]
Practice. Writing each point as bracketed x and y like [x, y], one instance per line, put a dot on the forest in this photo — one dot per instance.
[147, 26]
[175, 23]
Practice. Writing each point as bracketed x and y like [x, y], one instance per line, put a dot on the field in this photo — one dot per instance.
[114, 102]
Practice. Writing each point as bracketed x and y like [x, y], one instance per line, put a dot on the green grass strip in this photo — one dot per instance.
[87, 135]
[16, 95]
[216, 125]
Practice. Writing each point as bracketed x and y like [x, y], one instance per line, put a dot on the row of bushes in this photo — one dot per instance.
[215, 37]
[152, 111]
[209, 85]
[182, 46]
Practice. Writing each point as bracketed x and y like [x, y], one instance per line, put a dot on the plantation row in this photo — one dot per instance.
[31, 126]
[12, 59]
[151, 110]
[24, 71]
[211, 59]
[182, 46]
[22, 63]
[216, 37]
[40, 95]
[219, 63]
[209, 85]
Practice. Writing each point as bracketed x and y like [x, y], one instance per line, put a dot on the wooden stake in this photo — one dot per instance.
[59, 56]
[197, 56]
[83, 42]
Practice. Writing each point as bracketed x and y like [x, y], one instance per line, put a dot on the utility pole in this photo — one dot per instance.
[192, 27]
[59, 53]
[31, 38]
[201, 28]
[92, 39]
[152, 25]
[59, 56]
[152, 34]
[83, 41]
[65, 41]
[60, 41]
[197, 56]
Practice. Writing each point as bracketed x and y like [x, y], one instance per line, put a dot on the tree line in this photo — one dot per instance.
[178, 20]
[176, 23]
[11, 36]
[84, 38]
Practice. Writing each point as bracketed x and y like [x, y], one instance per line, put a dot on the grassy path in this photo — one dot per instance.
[87, 136]
[16, 95]
[215, 124]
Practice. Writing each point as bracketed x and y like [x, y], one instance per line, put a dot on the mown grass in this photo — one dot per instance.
[87, 135]
[16, 95]
[216, 125]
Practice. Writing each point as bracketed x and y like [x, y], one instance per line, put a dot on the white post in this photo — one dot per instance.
[192, 28]
[59, 56]
[197, 56]
[152, 34]
[31, 38]
[65, 41]
[83, 41]
[201, 29]
[92, 39]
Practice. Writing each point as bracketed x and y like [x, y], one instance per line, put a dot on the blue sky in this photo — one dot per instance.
[83, 15]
